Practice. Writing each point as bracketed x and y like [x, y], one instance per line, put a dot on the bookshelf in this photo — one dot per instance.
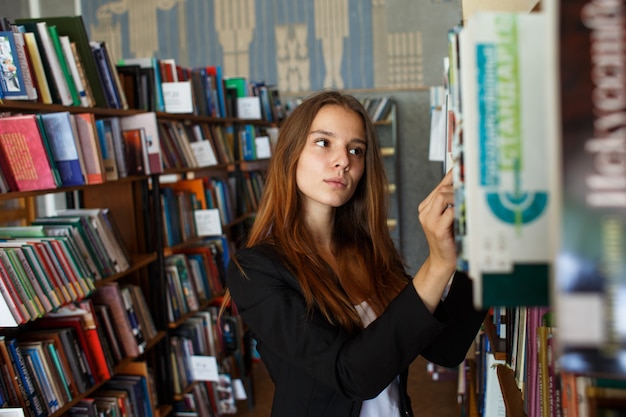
[176, 262]
[387, 129]
[135, 201]
[562, 348]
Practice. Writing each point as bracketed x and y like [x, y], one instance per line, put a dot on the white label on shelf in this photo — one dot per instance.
[249, 108]
[263, 148]
[208, 222]
[239, 390]
[204, 153]
[204, 368]
[177, 97]
[12, 412]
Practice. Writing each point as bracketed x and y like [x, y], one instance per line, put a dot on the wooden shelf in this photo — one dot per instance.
[513, 400]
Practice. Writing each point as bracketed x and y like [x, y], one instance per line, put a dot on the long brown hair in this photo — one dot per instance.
[361, 238]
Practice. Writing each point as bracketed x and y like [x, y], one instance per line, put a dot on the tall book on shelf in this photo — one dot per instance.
[590, 280]
[506, 186]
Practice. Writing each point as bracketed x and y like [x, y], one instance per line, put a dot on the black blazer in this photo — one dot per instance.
[319, 369]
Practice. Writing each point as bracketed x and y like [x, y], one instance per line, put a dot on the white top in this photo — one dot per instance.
[387, 403]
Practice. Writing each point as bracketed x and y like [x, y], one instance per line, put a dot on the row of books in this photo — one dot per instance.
[131, 392]
[52, 60]
[70, 350]
[205, 334]
[194, 277]
[60, 149]
[236, 195]
[56, 261]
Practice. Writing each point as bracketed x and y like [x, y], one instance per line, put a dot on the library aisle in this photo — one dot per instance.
[430, 398]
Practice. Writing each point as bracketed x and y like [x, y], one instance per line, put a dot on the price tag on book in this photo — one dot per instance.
[204, 368]
[177, 97]
[208, 222]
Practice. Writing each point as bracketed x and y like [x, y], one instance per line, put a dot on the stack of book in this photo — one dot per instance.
[56, 261]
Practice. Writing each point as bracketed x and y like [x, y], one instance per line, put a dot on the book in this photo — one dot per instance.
[104, 315]
[134, 153]
[105, 76]
[151, 148]
[90, 147]
[509, 189]
[109, 294]
[65, 68]
[107, 150]
[75, 69]
[12, 83]
[60, 136]
[23, 157]
[104, 229]
[112, 124]
[32, 397]
[25, 62]
[56, 78]
[74, 27]
[589, 278]
[34, 353]
[43, 89]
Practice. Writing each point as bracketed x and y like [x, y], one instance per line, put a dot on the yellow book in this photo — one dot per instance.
[40, 75]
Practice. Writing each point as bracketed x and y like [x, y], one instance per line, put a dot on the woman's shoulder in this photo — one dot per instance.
[262, 250]
[262, 256]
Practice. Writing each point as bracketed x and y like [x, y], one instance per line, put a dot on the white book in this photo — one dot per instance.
[507, 152]
[55, 66]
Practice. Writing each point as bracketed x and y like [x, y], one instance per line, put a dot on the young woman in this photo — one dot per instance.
[320, 284]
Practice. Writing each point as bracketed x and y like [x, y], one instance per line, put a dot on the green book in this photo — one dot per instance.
[54, 35]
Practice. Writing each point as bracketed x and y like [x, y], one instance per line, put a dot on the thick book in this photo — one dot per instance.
[109, 294]
[23, 156]
[590, 283]
[60, 136]
[509, 187]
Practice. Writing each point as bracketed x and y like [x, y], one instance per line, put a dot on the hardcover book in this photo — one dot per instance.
[60, 137]
[23, 156]
[12, 84]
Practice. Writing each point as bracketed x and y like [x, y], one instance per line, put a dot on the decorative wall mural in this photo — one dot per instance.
[299, 45]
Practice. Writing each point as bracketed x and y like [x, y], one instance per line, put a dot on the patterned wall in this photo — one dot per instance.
[299, 45]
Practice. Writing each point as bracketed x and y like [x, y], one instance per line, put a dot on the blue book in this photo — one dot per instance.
[60, 136]
[32, 397]
[11, 78]
[32, 353]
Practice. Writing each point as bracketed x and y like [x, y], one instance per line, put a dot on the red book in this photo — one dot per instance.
[23, 155]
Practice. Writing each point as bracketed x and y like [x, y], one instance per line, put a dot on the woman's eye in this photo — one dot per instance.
[321, 142]
[357, 151]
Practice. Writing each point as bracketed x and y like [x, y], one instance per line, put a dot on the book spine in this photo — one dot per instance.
[35, 401]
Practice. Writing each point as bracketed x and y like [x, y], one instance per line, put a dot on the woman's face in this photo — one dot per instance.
[333, 159]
